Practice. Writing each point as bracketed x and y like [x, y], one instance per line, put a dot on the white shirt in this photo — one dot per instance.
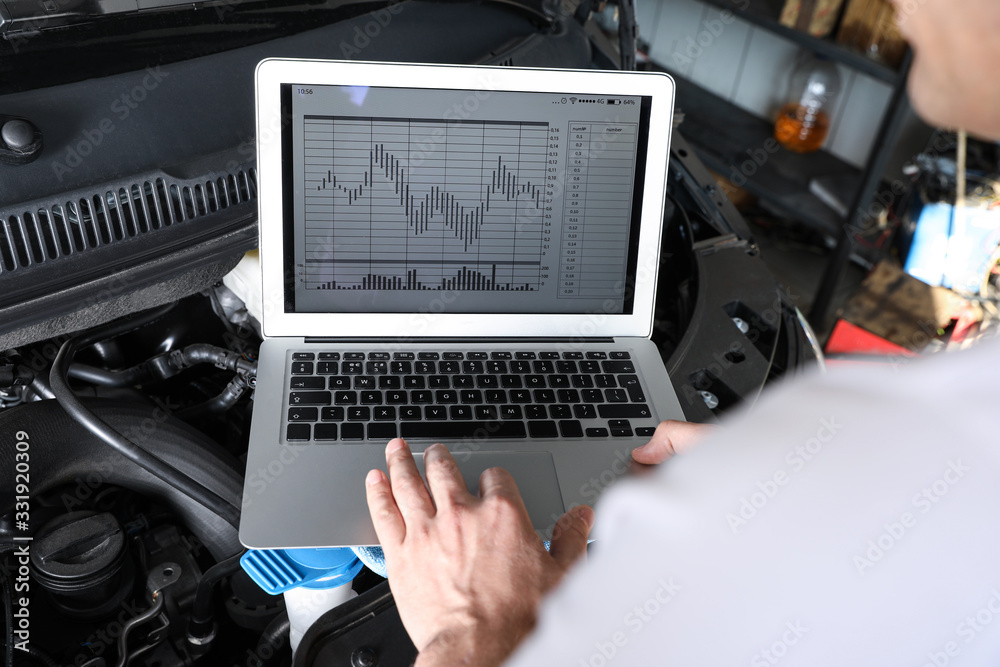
[851, 519]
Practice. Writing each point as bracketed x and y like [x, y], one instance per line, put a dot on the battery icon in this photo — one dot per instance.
[611, 100]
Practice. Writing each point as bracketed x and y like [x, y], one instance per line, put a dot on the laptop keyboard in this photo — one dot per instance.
[358, 396]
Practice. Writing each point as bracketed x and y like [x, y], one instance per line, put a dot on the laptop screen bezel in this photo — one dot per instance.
[274, 150]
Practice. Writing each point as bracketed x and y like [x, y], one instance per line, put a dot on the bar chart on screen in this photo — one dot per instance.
[414, 204]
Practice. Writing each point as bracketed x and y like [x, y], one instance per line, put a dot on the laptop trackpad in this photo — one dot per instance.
[534, 472]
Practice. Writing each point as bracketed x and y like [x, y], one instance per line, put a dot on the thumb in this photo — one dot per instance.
[569, 539]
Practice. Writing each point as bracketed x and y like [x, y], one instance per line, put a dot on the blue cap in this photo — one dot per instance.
[279, 570]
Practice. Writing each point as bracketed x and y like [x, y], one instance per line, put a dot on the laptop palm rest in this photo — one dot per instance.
[534, 472]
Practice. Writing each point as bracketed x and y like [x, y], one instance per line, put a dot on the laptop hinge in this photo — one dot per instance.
[491, 341]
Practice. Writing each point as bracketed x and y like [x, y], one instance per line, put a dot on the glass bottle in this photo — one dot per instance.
[803, 123]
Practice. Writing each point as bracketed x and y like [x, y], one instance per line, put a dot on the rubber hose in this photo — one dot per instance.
[202, 615]
[64, 452]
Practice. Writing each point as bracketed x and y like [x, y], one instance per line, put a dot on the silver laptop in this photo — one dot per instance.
[454, 254]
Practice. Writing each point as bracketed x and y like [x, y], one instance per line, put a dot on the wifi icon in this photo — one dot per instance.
[572, 100]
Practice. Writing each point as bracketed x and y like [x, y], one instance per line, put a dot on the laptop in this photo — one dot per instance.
[455, 254]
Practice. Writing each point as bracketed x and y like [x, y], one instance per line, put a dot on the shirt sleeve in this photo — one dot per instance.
[850, 519]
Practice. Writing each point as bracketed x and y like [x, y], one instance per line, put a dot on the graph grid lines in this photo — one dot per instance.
[405, 204]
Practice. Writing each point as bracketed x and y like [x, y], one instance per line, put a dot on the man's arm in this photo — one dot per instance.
[467, 572]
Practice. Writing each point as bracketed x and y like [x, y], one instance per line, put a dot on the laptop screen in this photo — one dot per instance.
[470, 201]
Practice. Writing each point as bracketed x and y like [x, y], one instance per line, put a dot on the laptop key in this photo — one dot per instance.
[401, 367]
[570, 428]
[485, 412]
[592, 396]
[460, 411]
[477, 355]
[567, 367]
[584, 411]
[384, 413]
[377, 367]
[618, 366]
[496, 367]
[462, 382]
[471, 396]
[568, 396]
[534, 381]
[582, 381]
[624, 411]
[326, 432]
[500, 355]
[462, 429]
[524, 355]
[403, 356]
[421, 396]
[590, 367]
[597, 433]
[605, 380]
[414, 382]
[635, 394]
[378, 356]
[425, 367]
[340, 382]
[302, 368]
[428, 356]
[438, 382]
[303, 414]
[332, 414]
[543, 367]
[358, 413]
[303, 356]
[298, 432]
[364, 382]
[511, 412]
[544, 396]
[546, 429]
[486, 381]
[302, 382]
[409, 412]
[558, 381]
[327, 367]
[329, 356]
[548, 355]
[535, 412]
[620, 355]
[452, 356]
[597, 355]
[446, 396]
[645, 430]
[309, 398]
[435, 412]
[345, 397]
[473, 367]
[371, 398]
[510, 381]
[572, 355]
[449, 367]
[384, 431]
[520, 396]
[389, 382]
[559, 412]
[496, 396]
[354, 356]
[354, 431]
[620, 428]
[352, 367]
[395, 397]
[615, 395]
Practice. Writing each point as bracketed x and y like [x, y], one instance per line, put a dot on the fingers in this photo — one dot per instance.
[444, 478]
[670, 438]
[569, 539]
[497, 481]
[389, 525]
[408, 488]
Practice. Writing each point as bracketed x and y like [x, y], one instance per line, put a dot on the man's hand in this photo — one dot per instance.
[467, 573]
[671, 437]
